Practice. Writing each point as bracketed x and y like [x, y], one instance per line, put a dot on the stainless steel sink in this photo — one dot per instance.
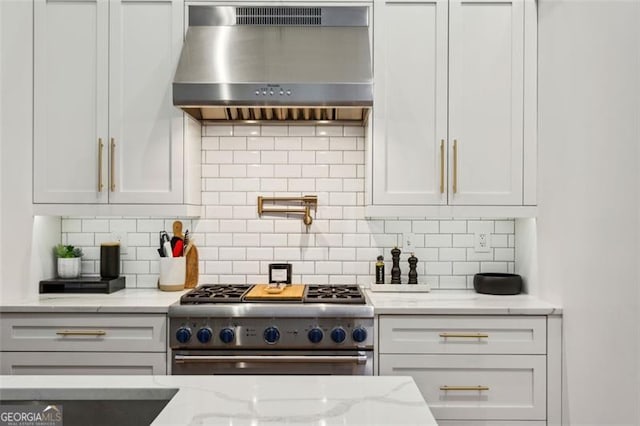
[96, 407]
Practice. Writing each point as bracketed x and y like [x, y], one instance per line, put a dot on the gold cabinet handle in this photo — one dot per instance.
[81, 332]
[455, 166]
[112, 177]
[465, 335]
[464, 388]
[100, 147]
[442, 166]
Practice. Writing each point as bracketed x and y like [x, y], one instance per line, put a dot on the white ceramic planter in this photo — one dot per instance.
[69, 267]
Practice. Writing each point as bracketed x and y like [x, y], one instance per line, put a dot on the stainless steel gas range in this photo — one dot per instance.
[216, 329]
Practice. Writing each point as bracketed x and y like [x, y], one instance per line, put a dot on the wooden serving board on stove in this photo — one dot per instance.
[293, 292]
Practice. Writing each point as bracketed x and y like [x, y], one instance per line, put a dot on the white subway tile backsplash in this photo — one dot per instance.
[302, 157]
[246, 157]
[275, 157]
[210, 143]
[260, 170]
[275, 131]
[302, 130]
[241, 130]
[233, 143]
[218, 130]
[288, 143]
[315, 144]
[341, 246]
[343, 144]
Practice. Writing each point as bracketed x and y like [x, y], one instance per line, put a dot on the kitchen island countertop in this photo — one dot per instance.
[254, 400]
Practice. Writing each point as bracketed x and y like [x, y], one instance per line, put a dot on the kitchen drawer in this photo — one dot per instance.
[76, 363]
[514, 386]
[84, 332]
[462, 334]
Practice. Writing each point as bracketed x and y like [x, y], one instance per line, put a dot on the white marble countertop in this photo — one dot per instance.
[459, 303]
[128, 300]
[254, 400]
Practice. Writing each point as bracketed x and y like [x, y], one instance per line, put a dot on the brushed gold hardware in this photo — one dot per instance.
[455, 166]
[81, 332]
[307, 201]
[112, 177]
[442, 166]
[465, 335]
[464, 388]
[100, 147]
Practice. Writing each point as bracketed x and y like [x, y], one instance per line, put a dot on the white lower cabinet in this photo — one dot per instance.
[476, 386]
[83, 343]
[471, 369]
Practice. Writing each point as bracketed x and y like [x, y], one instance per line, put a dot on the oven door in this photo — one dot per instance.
[352, 363]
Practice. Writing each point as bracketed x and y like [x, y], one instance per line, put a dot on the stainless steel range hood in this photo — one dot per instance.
[277, 64]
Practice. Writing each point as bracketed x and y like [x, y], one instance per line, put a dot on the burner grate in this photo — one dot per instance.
[215, 293]
[334, 294]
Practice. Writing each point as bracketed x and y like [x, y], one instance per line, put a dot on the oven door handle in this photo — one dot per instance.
[333, 359]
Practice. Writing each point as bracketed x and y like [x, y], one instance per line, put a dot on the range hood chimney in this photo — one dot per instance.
[276, 64]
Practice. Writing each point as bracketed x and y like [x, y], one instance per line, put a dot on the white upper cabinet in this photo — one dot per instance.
[449, 107]
[410, 102]
[486, 54]
[70, 101]
[106, 130]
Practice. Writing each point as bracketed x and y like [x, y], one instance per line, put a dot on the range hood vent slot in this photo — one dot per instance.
[298, 16]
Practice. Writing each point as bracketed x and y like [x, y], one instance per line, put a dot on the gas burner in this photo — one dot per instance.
[333, 294]
[215, 293]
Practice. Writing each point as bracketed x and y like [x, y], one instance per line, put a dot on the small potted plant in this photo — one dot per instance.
[68, 260]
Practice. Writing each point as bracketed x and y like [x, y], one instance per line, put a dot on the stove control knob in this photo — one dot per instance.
[183, 334]
[227, 335]
[359, 334]
[338, 335]
[204, 335]
[315, 335]
[271, 335]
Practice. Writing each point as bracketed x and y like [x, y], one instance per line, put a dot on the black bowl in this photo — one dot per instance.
[497, 283]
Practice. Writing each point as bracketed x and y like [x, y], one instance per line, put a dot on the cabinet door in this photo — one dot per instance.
[410, 102]
[144, 126]
[76, 363]
[486, 54]
[476, 387]
[70, 100]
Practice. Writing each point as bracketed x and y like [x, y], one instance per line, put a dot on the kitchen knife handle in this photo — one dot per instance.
[464, 388]
[465, 335]
[81, 333]
[455, 166]
[100, 148]
[112, 177]
[442, 166]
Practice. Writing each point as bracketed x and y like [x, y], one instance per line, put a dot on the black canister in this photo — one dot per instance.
[110, 260]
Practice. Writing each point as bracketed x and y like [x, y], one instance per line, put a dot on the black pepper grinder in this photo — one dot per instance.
[395, 269]
[413, 273]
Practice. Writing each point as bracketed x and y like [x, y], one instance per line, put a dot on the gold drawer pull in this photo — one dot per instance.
[465, 335]
[81, 333]
[464, 388]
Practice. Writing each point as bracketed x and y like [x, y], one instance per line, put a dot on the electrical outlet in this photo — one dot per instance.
[408, 242]
[482, 242]
[122, 238]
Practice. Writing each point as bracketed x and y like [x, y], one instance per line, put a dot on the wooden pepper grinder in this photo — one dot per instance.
[413, 273]
[395, 269]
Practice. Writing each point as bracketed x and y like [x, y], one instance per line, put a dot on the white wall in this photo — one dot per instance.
[588, 200]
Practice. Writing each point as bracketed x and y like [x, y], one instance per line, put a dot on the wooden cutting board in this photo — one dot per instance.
[291, 293]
